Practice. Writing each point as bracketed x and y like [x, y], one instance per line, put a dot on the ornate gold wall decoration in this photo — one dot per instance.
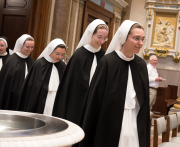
[164, 30]
[161, 52]
[177, 106]
[150, 17]
[176, 57]
[146, 55]
[146, 52]
[150, 12]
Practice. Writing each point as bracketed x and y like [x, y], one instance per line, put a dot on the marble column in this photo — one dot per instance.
[126, 11]
[72, 26]
[117, 22]
[67, 23]
[79, 24]
[75, 27]
[61, 20]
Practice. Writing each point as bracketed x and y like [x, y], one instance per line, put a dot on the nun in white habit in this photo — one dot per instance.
[14, 71]
[3, 51]
[117, 113]
[40, 87]
[71, 96]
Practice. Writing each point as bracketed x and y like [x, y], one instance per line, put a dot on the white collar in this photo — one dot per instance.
[4, 54]
[21, 55]
[122, 56]
[49, 59]
[91, 49]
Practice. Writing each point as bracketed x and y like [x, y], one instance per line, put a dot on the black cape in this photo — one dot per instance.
[11, 78]
[4, 58]
[71, 94]
[106, 100]
[35, 88]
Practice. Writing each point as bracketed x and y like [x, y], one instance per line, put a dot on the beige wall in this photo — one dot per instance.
[137, 13]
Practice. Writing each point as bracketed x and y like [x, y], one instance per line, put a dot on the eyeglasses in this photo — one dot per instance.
[60, 54]
[138, 39]
[100, 38]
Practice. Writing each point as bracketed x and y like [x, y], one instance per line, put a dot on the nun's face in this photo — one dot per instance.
[27, 48]
[99, 38]
[2, 47]
[135, 41]
[58, 54]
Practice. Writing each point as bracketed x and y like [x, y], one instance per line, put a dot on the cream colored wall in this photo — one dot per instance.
[137, 13]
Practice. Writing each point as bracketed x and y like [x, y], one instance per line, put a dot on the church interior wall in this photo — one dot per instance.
[98, 2]
[108, 6]
[126, 11]
[66, 20]
[167, 68]
[138, 13]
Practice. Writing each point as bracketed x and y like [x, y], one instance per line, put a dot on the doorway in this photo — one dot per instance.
[18, 17]
[14, 19]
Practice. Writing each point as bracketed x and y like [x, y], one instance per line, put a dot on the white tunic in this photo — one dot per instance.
[24, 57]
[129, 133]
[1, 62]
[94, 63]
[52, 88]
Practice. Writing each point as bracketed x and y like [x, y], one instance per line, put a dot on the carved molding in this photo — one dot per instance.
[119, 3]
[19, 4]
[117, 9]
[117, 15]
[163, 1]
[122, 3]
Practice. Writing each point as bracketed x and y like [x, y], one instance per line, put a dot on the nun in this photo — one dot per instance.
[71, 95]
[3, 50]
[14, 71]
[117, 112]
[40, 87]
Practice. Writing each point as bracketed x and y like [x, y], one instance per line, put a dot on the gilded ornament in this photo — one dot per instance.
[161, 52]
[176, 58]
[146, 51]
[177, 106]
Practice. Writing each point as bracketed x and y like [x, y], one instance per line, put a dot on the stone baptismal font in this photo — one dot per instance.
[22, 129]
